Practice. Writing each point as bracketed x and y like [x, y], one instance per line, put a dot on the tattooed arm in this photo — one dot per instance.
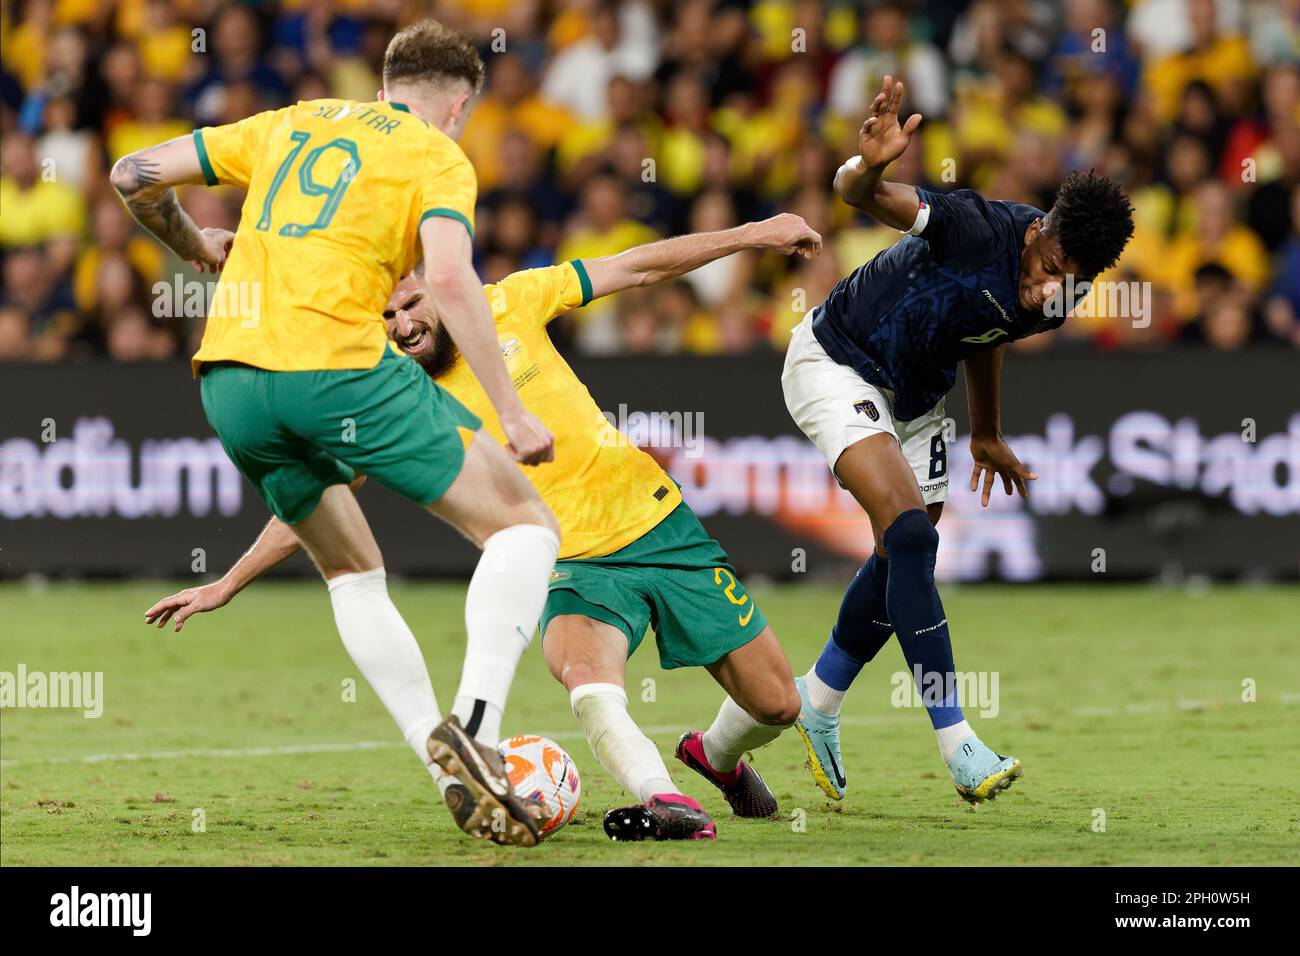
[144, 180]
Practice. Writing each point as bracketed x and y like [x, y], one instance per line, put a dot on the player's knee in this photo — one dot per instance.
[912, 535]
[582, 669]
[779, 707]
[788, 711]
[579, 673]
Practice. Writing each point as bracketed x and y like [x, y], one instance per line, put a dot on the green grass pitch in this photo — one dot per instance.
[1124, 703]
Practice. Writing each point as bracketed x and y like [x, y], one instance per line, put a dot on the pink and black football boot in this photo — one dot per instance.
[743, 788]
[665, 816]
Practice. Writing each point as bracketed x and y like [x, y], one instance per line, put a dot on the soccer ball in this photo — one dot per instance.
[539, 769]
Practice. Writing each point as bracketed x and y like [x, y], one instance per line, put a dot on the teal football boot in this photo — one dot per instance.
[979, 774]
[821, 738]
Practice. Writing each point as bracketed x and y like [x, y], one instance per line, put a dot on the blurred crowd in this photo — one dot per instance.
[603, 125]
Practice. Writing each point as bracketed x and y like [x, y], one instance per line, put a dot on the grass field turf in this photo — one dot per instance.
[1123, 699]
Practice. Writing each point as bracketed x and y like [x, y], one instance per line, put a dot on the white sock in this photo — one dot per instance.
[502, 607]
[629, 755]
[385, 651]
[734, 733]
[950, 738]
[824, 698]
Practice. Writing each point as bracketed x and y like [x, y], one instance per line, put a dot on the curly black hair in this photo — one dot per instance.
[1093, 219]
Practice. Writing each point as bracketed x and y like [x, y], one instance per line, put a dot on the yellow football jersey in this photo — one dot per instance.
[336, 193]
[604, 490]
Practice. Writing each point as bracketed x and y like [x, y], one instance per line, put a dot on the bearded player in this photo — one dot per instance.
[301, 386]
[633, 555]
[865, 378]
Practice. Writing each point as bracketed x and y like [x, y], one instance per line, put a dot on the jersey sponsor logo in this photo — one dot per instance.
[997, 305]
[986, 338]
[516, 358]
[557, 576]
[867, 407]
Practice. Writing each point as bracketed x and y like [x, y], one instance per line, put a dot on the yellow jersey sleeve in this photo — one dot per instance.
[450, 186]
[227, 153]
[540, 295]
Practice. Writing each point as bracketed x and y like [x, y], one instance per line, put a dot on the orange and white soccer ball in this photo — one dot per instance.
[539, 769]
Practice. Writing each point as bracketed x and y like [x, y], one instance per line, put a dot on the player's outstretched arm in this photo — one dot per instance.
[881, 141]
[993, 457]
[669, 258]
[461, 305]
[145, 181]
[275, 544]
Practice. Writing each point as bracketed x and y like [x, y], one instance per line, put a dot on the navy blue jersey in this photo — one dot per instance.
[906, 318]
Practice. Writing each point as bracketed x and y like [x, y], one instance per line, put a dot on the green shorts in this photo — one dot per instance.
[674, 578]
[293, 434]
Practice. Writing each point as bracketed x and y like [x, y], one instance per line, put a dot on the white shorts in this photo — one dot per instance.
[835, 407]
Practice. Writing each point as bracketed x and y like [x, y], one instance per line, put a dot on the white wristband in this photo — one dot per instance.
[922, 218]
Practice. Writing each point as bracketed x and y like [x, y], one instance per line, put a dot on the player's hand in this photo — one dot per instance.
[881, 140]
[789, 235]
[186, 603]
[994, 457]
[215, 249]
[527, 439]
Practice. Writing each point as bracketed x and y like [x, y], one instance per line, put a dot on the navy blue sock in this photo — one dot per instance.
[861, 629]
[917, 614]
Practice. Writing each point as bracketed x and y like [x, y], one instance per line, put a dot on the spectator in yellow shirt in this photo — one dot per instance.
[511, 103]
[166, 45]
[36, 208]
[682, 147]
[603, 230]
[1221, 60]
[114, 236]
[992, 114]
[152, 123]
[604, 227]
[584, 146]
[1216, 237]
